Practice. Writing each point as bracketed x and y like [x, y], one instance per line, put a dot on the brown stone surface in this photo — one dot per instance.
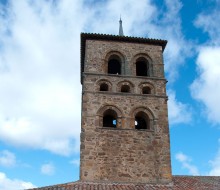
[124, 154]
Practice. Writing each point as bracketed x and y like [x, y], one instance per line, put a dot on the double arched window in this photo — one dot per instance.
[118, 64]
[111, 117]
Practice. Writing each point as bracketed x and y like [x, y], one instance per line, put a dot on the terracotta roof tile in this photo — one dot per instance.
[179, 183]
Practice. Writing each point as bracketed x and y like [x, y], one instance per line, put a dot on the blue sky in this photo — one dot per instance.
[41, 92]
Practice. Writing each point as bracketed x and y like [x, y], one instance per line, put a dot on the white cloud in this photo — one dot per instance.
[7, 158]
[13, 184]
[206, 88]
[178, 111]
[186, 163]
[48, 169]
[208, 22]
[40, 76]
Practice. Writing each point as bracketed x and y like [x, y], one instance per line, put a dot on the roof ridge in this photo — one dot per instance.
[113, 35]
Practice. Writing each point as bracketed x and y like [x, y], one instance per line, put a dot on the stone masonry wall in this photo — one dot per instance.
[124, 154]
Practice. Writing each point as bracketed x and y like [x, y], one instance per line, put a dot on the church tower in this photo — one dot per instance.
[124, 131]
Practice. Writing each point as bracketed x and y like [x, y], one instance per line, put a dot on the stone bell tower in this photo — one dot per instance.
[124, 131]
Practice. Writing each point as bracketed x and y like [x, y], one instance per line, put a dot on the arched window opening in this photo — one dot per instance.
[114, 65]
[146, 90]
[142, 67]
[142, 121]
[103, 87]
[110, 118]
[125, 88]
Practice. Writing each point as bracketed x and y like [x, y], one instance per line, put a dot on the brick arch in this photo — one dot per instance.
[101, 81]
[145, 110]
[146, 84]
[104, 108]
[147, 58]
[119, 55]
[125, 82]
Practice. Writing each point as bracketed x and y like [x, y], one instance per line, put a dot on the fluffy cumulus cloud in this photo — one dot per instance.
[186, 163]
[39, 75]
[178, 112]
[40, 62]
[206, 87]
[13, 184]
[208, 22]
[7, 158]
[48, 169]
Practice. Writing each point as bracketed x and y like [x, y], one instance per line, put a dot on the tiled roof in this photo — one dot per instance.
[179, 183]
[107, 37]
